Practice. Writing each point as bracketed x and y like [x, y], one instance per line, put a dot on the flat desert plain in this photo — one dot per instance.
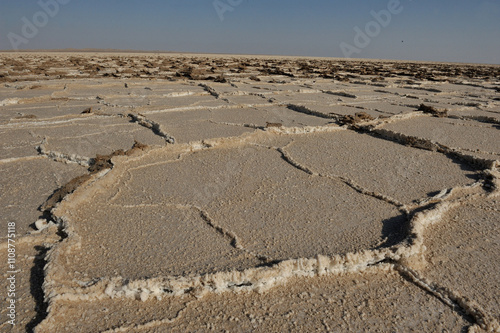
[197, 193]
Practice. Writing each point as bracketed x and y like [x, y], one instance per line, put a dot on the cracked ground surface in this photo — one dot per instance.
[156, 193]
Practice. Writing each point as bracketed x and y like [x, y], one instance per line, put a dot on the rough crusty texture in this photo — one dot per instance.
[174, 193]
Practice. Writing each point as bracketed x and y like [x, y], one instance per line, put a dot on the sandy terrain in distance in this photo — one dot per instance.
[194, 193]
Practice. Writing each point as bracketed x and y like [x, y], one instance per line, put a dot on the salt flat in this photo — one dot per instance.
[174, 193]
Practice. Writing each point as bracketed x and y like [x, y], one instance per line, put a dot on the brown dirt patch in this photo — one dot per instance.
[440, 113]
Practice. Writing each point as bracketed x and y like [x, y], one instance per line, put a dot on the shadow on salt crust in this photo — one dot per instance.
[463, 252]
[222, 204]
[194, 125]
[400, 172]
[463, 134]
[144, 242]
[24, 191]
[87, 138]
[29, 279]
[378, 300]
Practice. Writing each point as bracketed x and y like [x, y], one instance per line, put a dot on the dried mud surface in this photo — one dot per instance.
[176, 193]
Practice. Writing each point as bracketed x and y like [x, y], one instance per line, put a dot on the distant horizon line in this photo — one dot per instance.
[98, 50]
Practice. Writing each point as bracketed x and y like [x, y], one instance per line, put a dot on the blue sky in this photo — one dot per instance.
[446, 30]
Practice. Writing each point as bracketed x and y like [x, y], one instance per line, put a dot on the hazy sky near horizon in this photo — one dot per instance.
[446, 30]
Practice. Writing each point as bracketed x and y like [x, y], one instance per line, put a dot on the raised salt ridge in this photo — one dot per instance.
[172, 193]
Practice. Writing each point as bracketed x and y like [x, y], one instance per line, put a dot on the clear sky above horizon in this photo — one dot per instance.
[446, 30]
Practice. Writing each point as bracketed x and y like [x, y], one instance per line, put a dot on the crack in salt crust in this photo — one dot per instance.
[333, 85]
